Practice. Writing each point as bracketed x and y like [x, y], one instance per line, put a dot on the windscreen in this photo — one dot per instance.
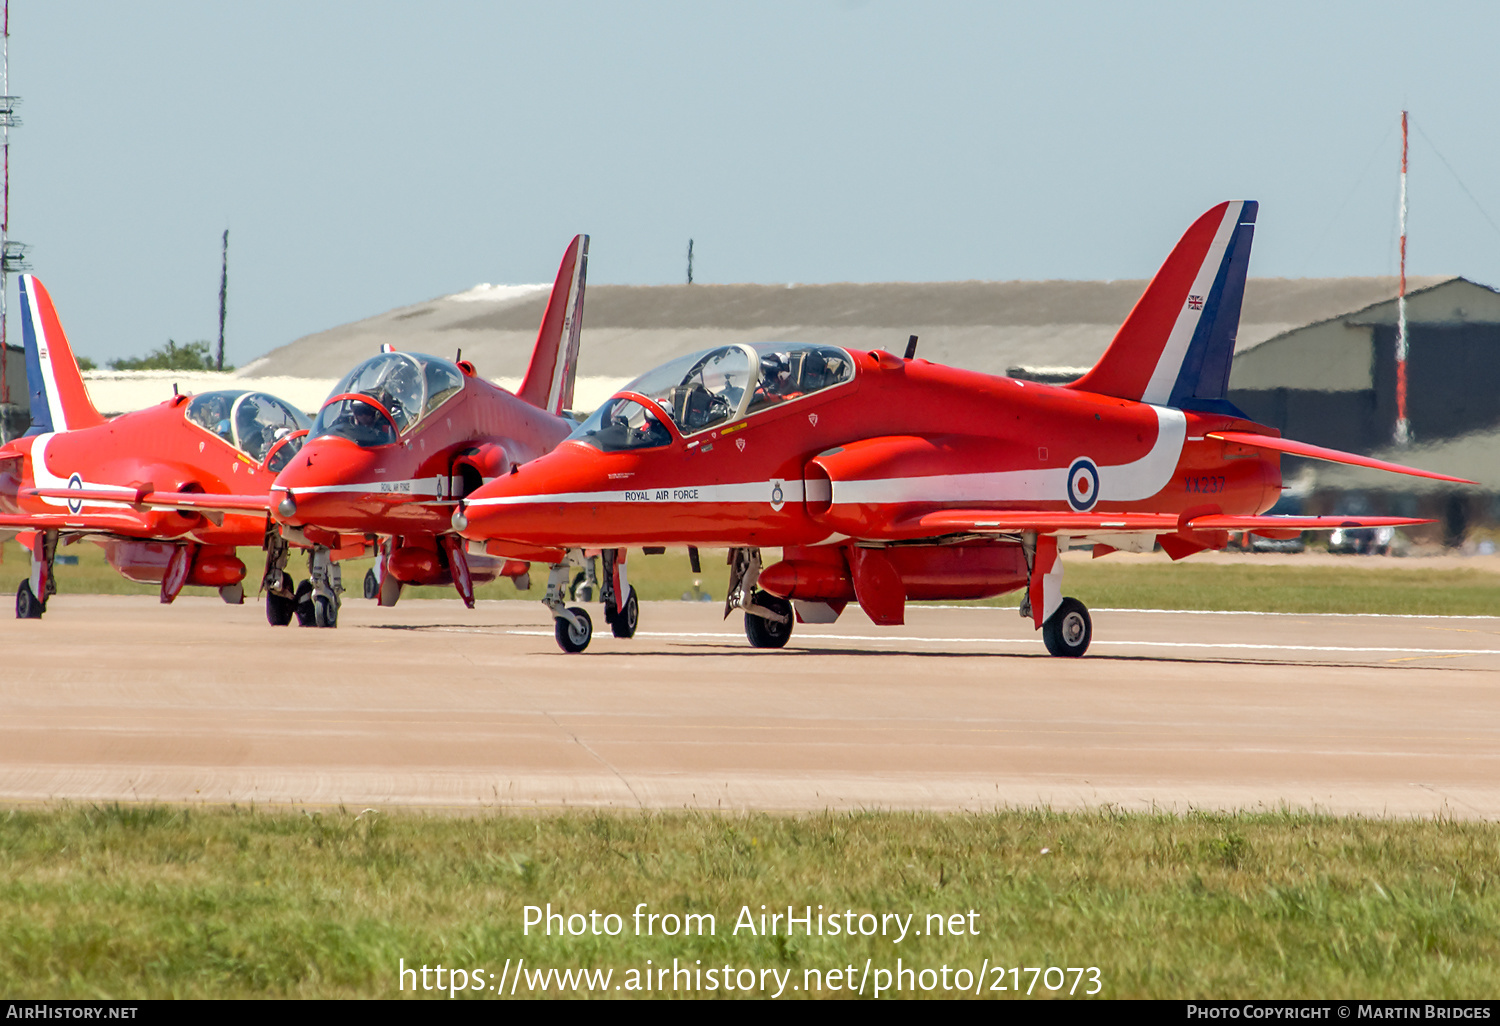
[407, 386]
[718, 386]
[252, 422]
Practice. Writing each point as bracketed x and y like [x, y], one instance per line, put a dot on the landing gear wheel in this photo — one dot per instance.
[325, 611]
[372, 586]
[623, 624]
[765, 633]
[571, 638]
[307, 616]
[1069, 630]
[280, 608]
[27, 606]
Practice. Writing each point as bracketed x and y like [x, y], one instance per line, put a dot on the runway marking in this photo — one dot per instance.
[1032, 642]
[1245, 612]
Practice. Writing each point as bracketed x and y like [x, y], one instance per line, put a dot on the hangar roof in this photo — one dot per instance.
[986, 326]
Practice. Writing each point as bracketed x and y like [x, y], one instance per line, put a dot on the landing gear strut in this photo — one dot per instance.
[32, 595]
[573, 627]
[279, 588]
[1064, 622]
[327, 582]
[768, 618]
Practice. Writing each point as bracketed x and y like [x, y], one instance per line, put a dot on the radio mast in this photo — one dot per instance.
[1403, 426]
[12, 254]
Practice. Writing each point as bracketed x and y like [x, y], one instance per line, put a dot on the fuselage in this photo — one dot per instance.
[364, 471]
[861, 458]
[163, 449]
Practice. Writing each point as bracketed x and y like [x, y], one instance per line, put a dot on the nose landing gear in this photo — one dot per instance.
[573, 628]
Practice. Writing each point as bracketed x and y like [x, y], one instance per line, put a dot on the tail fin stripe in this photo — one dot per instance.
[1169, 364]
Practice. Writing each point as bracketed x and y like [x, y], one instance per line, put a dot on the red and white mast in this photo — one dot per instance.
[12, 254]
[1403, 426]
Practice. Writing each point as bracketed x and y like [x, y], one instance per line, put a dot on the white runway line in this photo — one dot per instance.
[1029, 642]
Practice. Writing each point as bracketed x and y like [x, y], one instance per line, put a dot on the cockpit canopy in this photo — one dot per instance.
[253, 422]
[404, 387]
[714, 388]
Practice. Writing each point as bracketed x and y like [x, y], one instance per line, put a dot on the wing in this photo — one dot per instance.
[1009, 521]
[146, 497]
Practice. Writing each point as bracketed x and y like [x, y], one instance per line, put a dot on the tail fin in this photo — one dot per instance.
[59, 400]
[1176, 346]
[554, 362]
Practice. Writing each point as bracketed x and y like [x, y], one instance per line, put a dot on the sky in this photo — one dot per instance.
[370, 155]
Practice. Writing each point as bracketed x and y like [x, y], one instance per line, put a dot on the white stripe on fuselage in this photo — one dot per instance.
[1122, 482]
[1169, 365]
[42, 477]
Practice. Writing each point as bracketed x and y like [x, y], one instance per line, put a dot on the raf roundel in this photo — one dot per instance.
[75, 484]
[1083, 484]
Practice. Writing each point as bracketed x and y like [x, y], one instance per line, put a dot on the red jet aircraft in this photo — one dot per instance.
[885, 479]
[169, 492]
[404, 437]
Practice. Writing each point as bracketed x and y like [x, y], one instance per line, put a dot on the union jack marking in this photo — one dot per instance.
[1195, 302]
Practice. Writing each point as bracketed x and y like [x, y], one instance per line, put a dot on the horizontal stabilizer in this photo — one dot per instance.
[1317, 452]
[1232, 522]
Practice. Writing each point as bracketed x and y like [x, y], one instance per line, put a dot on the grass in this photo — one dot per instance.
[151, 901]
[1362, 586]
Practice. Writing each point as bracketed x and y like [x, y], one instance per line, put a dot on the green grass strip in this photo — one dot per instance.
[133, 902]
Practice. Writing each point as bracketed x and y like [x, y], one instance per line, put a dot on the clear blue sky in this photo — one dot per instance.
[368, 155]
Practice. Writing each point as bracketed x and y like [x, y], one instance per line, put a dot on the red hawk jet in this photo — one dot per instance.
[403, 438]
[884, 479]
[170, 492]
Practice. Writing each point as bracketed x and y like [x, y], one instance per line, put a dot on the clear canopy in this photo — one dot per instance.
[252, 422]
[714, 388]
[406, 386]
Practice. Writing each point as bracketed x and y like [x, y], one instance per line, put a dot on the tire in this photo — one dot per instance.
[325, 611]
[1068, 631]
[279, 609]
[625, 618]
[574, 639]
[372, 586]
[27, 606]
[307, 616]
[765, 633]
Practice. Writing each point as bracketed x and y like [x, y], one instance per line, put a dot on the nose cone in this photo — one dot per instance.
[544, 502]
[322, 483]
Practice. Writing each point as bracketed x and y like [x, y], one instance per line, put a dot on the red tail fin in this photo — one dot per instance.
[59, 400]
[554, 362]
[1176, 346]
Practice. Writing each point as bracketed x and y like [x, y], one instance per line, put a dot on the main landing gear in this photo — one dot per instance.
[573, 627]
[1064, 622]
[33, 593]
[768, 618]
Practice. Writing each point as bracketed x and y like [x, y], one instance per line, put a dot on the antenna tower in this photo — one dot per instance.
[12, 253]
[1403, 426]
[223, 296]
[690, 252]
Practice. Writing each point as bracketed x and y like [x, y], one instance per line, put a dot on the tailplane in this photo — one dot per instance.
[1176, 347]
[554, 362]
[59, 399]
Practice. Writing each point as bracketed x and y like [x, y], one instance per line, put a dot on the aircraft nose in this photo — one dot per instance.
[526, 505]
[304, 488]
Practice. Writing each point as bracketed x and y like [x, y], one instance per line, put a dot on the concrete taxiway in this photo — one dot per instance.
[433, 705]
